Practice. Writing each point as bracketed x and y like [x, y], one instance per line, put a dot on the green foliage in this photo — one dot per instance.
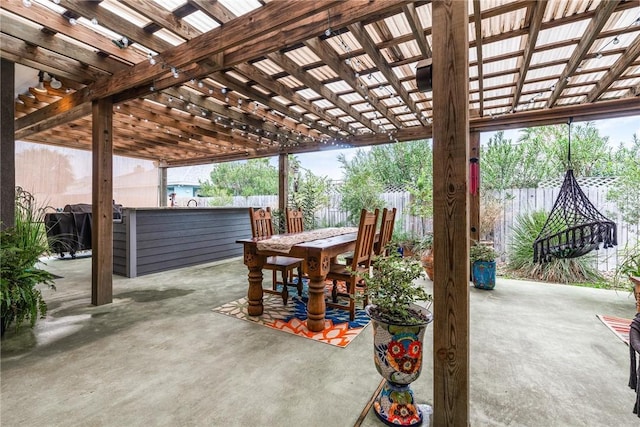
[625, 190]
[408, 165]
[251, 178]
[520, 260]
[310, 193]
[506, 165]
[542, 153]
[219, 197]
[20, 249]
[360, 190]
[481, 252]
[629, 265]
[392, 289]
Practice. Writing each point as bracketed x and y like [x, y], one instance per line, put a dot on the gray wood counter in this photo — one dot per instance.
[150, 240]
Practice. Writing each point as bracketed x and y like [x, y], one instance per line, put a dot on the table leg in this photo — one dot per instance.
[316, 306]
[254, 262]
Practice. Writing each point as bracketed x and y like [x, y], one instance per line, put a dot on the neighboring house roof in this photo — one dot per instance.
[189, 175]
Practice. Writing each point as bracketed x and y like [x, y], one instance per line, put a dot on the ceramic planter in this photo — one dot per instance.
[484, 274]
[635, 280]
[397, 351]
[427, 263]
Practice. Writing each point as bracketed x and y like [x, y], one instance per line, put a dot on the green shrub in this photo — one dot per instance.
[520, 256]
[20, 248]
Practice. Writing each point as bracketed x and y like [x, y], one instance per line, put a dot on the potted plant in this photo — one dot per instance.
[629, 267]
[483, 265]
[398, 331]
[20, 249]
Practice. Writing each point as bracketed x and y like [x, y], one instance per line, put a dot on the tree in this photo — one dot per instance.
[308, 192]
[625, 189]
[361, 189]
[250, 178]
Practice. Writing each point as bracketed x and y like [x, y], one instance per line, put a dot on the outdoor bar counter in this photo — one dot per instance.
[150, 240]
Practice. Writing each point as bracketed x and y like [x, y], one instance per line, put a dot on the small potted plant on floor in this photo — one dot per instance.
[629, 268]
[483, 265]
[21, 246]
[398, 331]
[425, 249]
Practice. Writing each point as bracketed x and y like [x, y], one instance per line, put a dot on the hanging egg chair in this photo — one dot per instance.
[574, 227]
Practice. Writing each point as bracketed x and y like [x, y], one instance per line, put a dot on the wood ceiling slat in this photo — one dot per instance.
[534, 28]
[602, 13]
[632, 53]
[48, 19]
[477, 20]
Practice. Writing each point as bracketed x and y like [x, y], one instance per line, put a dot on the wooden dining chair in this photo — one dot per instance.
[360, 263]
[262, 226]
[384, 236]
[295, 221]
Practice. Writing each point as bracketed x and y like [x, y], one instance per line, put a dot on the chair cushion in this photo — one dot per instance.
[283, 261]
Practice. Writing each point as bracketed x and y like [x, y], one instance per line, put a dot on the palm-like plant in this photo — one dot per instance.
[520, 256]
[20, 248]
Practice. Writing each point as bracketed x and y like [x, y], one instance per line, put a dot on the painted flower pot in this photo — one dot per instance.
[484, 274]
[397, 351]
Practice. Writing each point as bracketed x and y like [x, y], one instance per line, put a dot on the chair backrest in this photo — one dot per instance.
[261, 225]
[386, 230]
[364, 241]
[295, 221]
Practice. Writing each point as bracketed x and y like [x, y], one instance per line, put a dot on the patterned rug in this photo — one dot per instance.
[292, 318]
[617, 325]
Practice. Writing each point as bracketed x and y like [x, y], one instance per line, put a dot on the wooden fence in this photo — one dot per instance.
[516, 202]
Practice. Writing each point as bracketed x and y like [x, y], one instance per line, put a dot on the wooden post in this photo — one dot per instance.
[451, 213]
[7, 145]
[102, 200]
[474, 198]
[283, 182]
[162, 188]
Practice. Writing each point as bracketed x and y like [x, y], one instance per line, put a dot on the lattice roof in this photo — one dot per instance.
[253, 79]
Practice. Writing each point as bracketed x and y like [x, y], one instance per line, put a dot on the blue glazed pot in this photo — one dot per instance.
[484, 274]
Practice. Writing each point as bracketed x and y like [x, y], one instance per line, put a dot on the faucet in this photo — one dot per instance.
[192, 200]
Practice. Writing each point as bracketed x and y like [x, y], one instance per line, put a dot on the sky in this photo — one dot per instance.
[324, 163]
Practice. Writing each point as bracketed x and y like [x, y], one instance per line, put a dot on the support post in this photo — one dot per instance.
[7, 145]
[451, 213]
[283, 181]
[474, 195]
[162, 187]
[102, 203]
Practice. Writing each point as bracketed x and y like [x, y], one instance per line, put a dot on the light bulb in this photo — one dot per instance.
[73, 21]
[616, 40]
[56, 84]
[94, 21]
[26, 3]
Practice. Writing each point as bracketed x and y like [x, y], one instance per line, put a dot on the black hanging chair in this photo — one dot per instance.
[574, 226]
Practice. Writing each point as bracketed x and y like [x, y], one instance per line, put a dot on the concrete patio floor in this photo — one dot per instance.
[158, 356]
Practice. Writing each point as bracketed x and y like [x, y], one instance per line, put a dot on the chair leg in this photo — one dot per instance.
[334, 291]
[299, 281]
[285, 287]
[274, 279]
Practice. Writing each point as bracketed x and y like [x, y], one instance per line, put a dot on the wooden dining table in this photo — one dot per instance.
[317, 254]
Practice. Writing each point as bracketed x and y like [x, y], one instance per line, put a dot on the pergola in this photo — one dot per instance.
[185, 82]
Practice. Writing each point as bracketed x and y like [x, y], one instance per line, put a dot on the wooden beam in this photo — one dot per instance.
[417, 29]
[602, 14]
[59, 24]
[102, 204]
[451, 213]
[7, 145]
[620, 66]
[331, 58]
[293, 68]
[162, 187]
[360, 33]
[534, 29]
[283, 182]
[477, 19]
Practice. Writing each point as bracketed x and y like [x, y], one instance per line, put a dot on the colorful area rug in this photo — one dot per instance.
[617, 325]
[292, 318]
